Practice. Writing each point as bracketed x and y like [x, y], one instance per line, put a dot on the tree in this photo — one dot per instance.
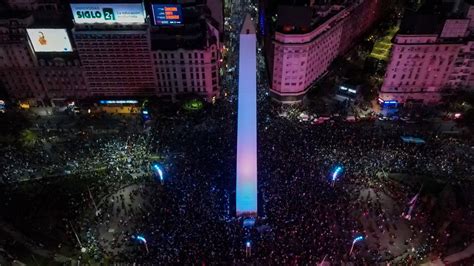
[28, 138]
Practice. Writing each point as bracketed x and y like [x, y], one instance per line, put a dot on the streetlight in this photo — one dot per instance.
[324, 260]
[335, 174]
[248, 249]
[97, 211]
[83, 249]
[143, 240]
[357, 239]
[157, 169]
[412, 204]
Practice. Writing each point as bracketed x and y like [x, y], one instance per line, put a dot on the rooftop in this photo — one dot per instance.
[302, 19]
[416, 23]
[248, 26]
[184, 37]
[108, 1]
[12, 14]
[430, 17]
[296, 16]
[191, 34]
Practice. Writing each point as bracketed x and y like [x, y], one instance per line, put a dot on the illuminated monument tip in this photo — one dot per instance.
[248, 27]
[246, 187]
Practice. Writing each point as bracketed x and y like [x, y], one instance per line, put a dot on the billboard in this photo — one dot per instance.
[167, 14]
[108, 13]
[49, 40]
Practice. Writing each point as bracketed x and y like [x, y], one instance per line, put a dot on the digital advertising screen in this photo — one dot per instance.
[49, 40]
[108, 13]
[167, 14]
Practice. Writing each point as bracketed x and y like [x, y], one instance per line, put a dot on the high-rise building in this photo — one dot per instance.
[22, 4]
[299, 51]
[216, 8]
[187, 55]
[35, 71]
[17, 69]
[432, 54]
[121, 48]
[114, 48]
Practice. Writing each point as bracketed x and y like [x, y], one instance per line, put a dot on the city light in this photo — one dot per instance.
[382, 101]
[108, 13]
[409, 139]
[118, 101]
[336, 173]
[249, 222]
[141, 238]
[145, 115]
[357, 239]
[24, 105]
[157, 170]
[248, 249]
[143, 241]
[412, 204]
[49, 40]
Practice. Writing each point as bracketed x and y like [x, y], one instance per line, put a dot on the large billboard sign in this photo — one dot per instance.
[108, 13]
[166, 14]
[49, 40]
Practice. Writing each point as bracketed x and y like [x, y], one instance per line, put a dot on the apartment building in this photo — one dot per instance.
[432, 54]
[187, 58]
[88, 49]
[30, 75]
[116, 62]
[301, 51]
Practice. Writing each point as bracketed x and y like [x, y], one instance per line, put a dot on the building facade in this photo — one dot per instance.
[428, 62]
[62, 77]
[129, 59]
[17, 69]
[116, 62]
[187, 58]
[301, 54]
[187, 72]
[34, 76]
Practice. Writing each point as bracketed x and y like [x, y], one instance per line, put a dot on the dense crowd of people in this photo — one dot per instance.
[73, 151]
[189, 217]
[303, 217]
[294, 180]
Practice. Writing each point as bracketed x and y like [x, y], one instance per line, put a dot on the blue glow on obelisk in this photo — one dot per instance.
[246, 189]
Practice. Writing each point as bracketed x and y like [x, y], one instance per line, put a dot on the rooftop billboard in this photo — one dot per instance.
[129, 13]
[49, 40]
[167, 14]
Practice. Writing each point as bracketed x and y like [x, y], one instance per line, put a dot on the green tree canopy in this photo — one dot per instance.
[28, 138]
